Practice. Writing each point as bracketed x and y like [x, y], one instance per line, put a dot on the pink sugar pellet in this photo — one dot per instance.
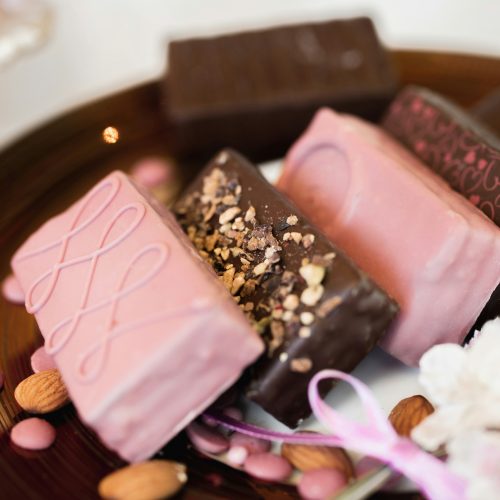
[252, 444]
[319, 484]
[12, 291]
[41, 361]
[33, 434]
[237, 455]
[268, 466]
[205, 439]
[233, 412]
[151, 171]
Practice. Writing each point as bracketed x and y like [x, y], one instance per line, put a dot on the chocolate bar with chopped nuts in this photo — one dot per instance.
[313, 306]
[256, 91]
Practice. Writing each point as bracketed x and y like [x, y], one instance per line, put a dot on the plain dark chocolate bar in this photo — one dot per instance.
[450, 141]
[487, 111]
[314, 307]
[257, 91]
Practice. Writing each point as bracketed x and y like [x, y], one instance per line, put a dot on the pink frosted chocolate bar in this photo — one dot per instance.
[143, 333]
[435, 253]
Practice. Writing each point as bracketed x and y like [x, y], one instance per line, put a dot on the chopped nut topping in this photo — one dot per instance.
[250, 214]
[300, 365]
[308, 240]
[225, 253]
[235, 251]
[248, 306]
[227, 277]
[225, 228]
[261, 268]
[307, 318]
[277, 313]
[311, 295]
[222, 158]
[292, 220]
[297, 237]
[304, 332]
[291, 302]
[229, 200]
[229, 214]
[287, 236]
[328, 306]
[312, 273]
[238, 282]
[287, 316]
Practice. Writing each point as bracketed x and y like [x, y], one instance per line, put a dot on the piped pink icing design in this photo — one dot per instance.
[434, 252]
[132, 316]
[470, 165]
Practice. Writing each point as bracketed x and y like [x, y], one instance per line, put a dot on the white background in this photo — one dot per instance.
[98, 46]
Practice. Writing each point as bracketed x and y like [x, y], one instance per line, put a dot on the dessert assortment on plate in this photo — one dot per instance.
[280, 294]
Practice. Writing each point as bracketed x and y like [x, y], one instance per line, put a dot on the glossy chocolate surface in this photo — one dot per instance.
[256, 91]
[314, 307]
[487, 111]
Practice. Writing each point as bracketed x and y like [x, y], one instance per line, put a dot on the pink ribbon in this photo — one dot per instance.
[377, 439]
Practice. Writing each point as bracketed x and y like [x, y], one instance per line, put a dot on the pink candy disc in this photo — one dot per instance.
[12, 291]
[252, 445]
[268, 466]
[205, 439]
[319, 484]
[41, 361]
[33, 434]
[152, 171]
[237, 455]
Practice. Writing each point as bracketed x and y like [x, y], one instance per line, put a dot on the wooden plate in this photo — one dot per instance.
[53, 165]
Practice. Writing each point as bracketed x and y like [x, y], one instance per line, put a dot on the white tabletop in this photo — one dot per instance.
[99, 46]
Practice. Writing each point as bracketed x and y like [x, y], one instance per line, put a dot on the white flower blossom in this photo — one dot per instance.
[475, 455]
[464, 385]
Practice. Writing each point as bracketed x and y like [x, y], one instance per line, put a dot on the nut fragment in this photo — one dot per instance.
[144, 481]
[307, 458]
[308, 240]
[312, 273]
[300, 365]
[311, 295]
[42, 392]
[292, 220]
[291, 302]
[408, 413]
[228, 215]
[260, 268]
[250, 214]
[306, 318]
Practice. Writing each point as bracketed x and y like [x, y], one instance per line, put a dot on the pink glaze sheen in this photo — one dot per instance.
[268, 466]
[142, 332]
[432, 250]
[151, 171]
[321, 484]
[41, 361]
[12, 291]
[252, 444]
[206, 439]
[33, 434]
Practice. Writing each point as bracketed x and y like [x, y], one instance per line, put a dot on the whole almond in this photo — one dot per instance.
[42, 392]
[144, 481]
[408, 413]
[306, 458]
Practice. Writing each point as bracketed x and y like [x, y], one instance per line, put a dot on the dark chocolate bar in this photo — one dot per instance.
[487, 111]
[314, 307]
[452, 143]
[256, 91]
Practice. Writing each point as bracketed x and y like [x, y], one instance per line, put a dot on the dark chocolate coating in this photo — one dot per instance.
[256, 91]
[451, 142]
[487, 111]
[349, 318]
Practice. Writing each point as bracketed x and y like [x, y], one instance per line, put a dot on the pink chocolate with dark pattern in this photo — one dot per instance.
[452, 143]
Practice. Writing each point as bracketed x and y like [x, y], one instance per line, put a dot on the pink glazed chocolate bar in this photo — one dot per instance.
[435, 253]
[143, 333]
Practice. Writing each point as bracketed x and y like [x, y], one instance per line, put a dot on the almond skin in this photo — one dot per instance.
[42, 392]
[306, 458]
[408, 413]
[144, 481]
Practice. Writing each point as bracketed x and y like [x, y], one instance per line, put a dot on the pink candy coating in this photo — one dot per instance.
[320, 484]
[41, 361]
[268, 466]
[205, 439]
[33, 434]
[152, 171]
[237, 455]
[252, 445]
[12, 291]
